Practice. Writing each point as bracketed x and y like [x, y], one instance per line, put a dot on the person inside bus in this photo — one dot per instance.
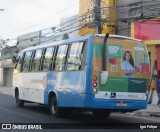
[128, 65]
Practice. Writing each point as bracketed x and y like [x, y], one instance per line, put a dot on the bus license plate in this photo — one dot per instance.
[122, 104]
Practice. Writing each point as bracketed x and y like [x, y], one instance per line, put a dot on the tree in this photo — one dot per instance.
[65, 36]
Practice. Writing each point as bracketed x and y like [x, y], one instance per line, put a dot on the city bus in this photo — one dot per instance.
[98, 73]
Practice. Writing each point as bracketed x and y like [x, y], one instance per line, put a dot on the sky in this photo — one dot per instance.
[24, 16]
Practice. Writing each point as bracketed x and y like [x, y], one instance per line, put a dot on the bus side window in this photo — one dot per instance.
[26, 62]
[19, 64]
[75, 56]
[60, 58]
[47, 61]
[36, 60]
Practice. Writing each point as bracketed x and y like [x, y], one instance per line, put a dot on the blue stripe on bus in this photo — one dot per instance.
[69, 86]
[112, 104]
[89, 68]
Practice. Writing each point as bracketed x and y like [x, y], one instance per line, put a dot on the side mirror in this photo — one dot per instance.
[14, 59]
[104, 77]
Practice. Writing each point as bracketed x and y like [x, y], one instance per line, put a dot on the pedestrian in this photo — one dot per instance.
[158, 90]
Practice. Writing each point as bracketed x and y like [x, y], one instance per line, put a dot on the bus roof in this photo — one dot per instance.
[66, 41]
[119, 36]
[81, 38]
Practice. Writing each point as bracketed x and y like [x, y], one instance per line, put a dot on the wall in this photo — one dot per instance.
[7, 76]
[150, 9]
[149, 31]
[123, 28]
[1, 75]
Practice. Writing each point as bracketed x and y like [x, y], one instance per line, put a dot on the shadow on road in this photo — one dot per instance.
[73, 116]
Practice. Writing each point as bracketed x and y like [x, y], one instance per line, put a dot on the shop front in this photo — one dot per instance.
[149, 32]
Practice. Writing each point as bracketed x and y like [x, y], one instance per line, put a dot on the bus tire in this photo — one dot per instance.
[54, 110]
[19, 102]
[100, 114]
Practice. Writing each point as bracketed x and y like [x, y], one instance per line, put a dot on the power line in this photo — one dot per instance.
[66, 31]
[145, 4]
[42, 20]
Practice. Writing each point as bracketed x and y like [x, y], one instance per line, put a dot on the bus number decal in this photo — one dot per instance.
[114, 68]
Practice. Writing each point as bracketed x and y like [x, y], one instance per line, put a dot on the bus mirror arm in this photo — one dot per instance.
[104, 72]
[104, 77]
[14, 59]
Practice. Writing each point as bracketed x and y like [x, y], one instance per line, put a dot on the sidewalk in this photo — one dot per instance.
[152, 109]
[6, 90]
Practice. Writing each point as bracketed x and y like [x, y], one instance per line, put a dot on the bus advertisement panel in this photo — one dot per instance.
[128, 72]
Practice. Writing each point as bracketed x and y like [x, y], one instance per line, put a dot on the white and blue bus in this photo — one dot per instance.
[98, 73]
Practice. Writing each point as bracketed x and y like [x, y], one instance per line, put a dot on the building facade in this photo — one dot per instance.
[88, 20]
[149, 31]
[139, 19]
[6, 65]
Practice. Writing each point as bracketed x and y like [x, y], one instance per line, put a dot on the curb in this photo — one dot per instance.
[5, 93]
[157, 114]
[139, 113]
[142, 113]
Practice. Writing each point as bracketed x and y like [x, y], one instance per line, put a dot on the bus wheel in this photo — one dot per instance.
[100, 114]
[19, 102]
[54, 110]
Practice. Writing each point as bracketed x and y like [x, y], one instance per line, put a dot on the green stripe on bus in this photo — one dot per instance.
[136, 85]
[115, 84]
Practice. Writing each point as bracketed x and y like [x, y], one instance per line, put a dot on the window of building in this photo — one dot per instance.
[36, 62]
[75, 56]
[26, 62]
[47, 61]
[60, 58]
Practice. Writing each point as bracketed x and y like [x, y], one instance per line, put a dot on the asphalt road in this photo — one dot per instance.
[34, 113]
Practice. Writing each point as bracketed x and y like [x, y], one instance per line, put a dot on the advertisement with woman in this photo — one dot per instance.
[128, 65]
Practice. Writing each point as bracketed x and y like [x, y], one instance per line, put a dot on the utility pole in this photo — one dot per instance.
[97, 16]
[0, 38]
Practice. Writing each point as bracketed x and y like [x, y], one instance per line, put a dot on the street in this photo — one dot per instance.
[34, 113]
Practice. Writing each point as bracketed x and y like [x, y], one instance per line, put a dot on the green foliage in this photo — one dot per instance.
[65, 36]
